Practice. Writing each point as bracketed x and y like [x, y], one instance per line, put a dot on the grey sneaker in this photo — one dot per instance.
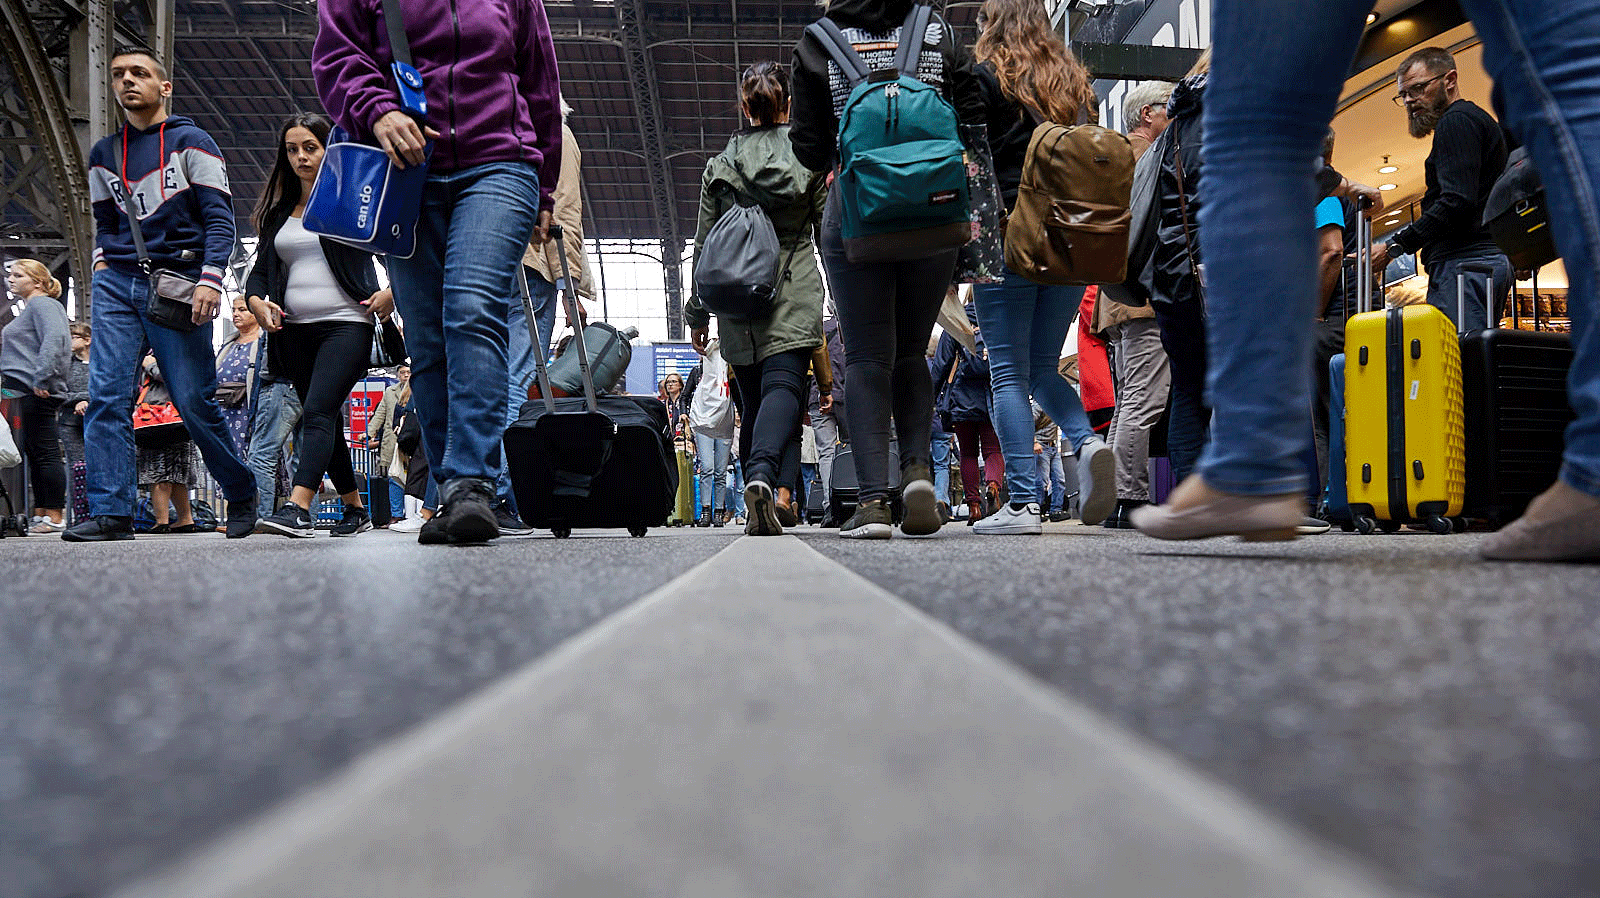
[872, 520]
[291, 520]
[763, 519]
[1097, 481]
[356, 519]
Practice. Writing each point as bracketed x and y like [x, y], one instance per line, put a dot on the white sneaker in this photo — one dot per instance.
[411, 524]
[1011, 520]
[1097, 481]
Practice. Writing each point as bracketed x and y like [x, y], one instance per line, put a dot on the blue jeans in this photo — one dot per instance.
[738, 489]
[277, 415]
[189, 368]
[1024, 325]
[1444, 293]
[521, 363]
[1047, 468]
[941, 465]
[397, 500]
[454, 294]
[1275, 80]
[711, 467]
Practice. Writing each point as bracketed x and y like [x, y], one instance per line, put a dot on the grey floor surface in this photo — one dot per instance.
[154, 693]
[1434, 715]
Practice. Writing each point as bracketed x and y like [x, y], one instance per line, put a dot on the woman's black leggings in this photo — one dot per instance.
[41, 443]
[774, 393]
[324, 359]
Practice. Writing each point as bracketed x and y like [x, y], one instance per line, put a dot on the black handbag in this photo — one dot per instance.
[388, 346]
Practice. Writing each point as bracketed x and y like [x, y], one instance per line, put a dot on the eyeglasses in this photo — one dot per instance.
[1414, 91]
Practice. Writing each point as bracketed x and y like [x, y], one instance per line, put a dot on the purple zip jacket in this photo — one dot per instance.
[488, 66]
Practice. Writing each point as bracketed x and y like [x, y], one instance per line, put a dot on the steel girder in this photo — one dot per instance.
[65, 207]
[648, 115]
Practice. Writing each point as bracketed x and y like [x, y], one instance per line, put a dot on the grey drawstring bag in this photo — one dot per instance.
[736, 274]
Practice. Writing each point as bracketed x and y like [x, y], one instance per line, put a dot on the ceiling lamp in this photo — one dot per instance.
[1387, 186]
[1386, 168]
[1372, 17]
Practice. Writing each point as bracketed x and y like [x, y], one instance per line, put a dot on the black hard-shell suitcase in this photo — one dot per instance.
[589, 461]
[845, 492]
[1514, 385]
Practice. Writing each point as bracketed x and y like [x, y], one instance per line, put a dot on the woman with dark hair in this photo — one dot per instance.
[771, 356]
[886, 309]
[673, 396]
[1028, 76]
[318, 297]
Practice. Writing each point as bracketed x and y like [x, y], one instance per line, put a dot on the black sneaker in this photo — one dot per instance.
[872, 520]
[467, 511]
[1118, 519]
[242, 518]
[510, 524]
[99, 529]
[291, 520]
[434, 532]
[356, 520]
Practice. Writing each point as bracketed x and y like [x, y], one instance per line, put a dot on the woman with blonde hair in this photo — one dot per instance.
[1027, 77]
[35, 356]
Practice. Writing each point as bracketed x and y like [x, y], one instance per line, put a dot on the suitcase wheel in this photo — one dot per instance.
[638, 531]
[1440, 525]
[561, 532]
[1460, 524]
[1365, 525]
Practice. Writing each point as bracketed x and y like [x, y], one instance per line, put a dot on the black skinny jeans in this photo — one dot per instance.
[324, 359]
[41, 444]
[773, 393]
[886, 314]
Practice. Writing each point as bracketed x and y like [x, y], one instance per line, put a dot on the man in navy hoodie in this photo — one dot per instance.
[494, 116]
[170, 173]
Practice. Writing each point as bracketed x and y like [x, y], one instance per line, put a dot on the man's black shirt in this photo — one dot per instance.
[1469, 153]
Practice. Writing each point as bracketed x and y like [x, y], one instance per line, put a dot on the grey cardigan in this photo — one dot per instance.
[36, 348]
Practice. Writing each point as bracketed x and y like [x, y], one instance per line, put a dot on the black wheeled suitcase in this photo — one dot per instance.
[592, 460]
[1514, 386]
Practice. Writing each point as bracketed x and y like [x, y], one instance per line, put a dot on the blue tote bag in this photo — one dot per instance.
[360, 197]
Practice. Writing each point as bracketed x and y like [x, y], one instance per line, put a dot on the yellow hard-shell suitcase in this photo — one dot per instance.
[1405, 458]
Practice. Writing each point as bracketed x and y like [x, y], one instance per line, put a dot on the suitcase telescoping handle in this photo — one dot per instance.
[1461, 295]
[533, 336]
[570, 297]
[1364, 275]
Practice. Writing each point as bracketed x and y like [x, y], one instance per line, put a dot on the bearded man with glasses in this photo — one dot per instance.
[1469, 153]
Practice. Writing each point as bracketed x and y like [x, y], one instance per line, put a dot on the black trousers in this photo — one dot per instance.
[324, 360]
[773, 393]
[41, 445]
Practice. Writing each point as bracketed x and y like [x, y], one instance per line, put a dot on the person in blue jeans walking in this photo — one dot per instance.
[1276, 77]
[1023, 323]
[276, 417]
[169, 173]
[495, 122]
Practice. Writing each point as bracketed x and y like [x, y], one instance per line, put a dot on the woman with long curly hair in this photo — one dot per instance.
[1028, 76]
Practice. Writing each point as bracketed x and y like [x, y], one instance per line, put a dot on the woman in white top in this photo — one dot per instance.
[318, 298]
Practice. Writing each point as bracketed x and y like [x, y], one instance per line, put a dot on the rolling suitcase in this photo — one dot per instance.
[591, 460]
[844, 492]
[1514, 384]
[1405, 447]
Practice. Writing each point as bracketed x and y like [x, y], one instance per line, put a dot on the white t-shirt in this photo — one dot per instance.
[312, 293]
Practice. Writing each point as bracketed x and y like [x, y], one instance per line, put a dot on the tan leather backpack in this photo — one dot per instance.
[1070, 224]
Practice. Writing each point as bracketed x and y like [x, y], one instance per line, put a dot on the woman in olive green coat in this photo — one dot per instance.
[770, 356]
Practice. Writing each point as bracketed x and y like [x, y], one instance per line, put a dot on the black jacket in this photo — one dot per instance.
[814, 125]
[1011, 128]
[1469, 153]
[966, 396]
[1173, 278]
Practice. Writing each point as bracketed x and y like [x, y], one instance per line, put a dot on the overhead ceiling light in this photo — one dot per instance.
[1388, 169]
[1387, 186]
[1372, 17]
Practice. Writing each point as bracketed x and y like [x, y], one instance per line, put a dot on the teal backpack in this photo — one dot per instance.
[902, 174]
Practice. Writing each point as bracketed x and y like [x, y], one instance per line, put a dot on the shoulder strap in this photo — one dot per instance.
[395, 22]
[839, 47]
[913, 34]
[127, 209]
